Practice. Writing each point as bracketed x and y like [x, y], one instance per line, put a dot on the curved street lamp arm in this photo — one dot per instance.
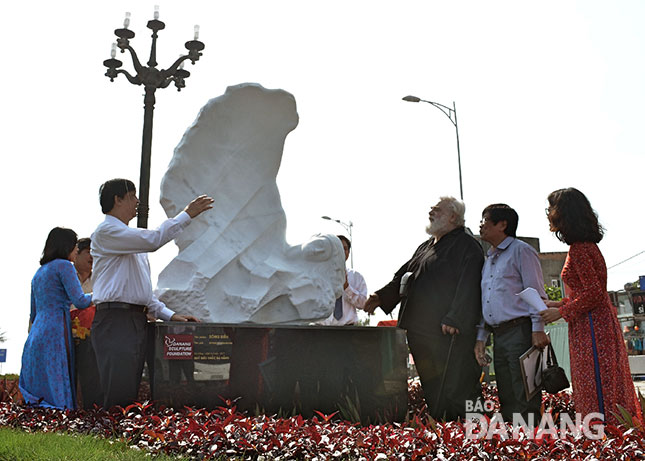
[445, 109]
[348, 227]
[345, 226]
[450, 113]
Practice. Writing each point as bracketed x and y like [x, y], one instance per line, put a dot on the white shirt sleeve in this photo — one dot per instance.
[121, 270]
[124, 239]
[354, 297]
[356, 292]
[159, 309]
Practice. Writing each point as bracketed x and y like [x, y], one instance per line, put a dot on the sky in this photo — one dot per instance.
[548, 95]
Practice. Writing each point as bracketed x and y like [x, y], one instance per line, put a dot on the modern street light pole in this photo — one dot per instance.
[152, 78]
[452, 116]
[348, 227]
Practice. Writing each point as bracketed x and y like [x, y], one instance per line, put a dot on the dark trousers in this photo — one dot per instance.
[87, 373]
[461, 384]
[508, 346]
[119, 340]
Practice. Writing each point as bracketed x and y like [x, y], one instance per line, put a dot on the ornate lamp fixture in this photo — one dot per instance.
[152, 78]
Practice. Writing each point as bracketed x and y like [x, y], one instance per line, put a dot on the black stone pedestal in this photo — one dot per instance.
[359, 371]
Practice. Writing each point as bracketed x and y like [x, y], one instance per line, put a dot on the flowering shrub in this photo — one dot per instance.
[225, 432]
[9, 390]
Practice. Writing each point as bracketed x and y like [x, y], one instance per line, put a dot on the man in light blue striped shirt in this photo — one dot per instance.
[511, 266]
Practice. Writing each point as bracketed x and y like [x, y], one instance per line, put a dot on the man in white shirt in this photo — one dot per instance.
[123, 290]
[354, 296]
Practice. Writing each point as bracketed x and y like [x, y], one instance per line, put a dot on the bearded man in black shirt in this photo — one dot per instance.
[440, 309]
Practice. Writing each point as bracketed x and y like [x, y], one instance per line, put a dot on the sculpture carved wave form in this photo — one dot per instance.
[234, 263]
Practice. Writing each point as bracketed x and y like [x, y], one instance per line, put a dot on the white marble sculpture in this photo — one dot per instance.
[234, 264]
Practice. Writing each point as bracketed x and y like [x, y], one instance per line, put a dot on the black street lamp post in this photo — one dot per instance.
[452, 116]
[152, 78]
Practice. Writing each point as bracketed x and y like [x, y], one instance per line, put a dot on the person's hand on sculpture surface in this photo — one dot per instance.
[346, 282]
[550, 315]
[183, 318]
[372, 303]
[448, 330]
[554, 303]
[199, 205]
[480, 353]
[540, 339]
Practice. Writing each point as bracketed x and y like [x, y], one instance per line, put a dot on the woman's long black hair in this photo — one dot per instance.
[572, 218]
[60, 243]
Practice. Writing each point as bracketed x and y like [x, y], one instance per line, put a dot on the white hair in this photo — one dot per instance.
[458, 208]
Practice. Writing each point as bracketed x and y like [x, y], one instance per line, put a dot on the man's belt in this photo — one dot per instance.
[119, 305]
[504, 326]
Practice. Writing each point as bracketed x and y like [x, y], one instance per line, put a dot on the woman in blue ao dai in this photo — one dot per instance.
[47, 374]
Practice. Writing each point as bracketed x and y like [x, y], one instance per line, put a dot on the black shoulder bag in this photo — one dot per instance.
[553, 376]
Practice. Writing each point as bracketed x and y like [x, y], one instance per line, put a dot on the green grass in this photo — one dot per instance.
[16, 445]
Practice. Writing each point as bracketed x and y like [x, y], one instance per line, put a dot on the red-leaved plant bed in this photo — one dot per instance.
[225, 433]
[9, 391]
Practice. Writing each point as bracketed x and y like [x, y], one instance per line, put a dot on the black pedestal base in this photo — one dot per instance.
[359, 371]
